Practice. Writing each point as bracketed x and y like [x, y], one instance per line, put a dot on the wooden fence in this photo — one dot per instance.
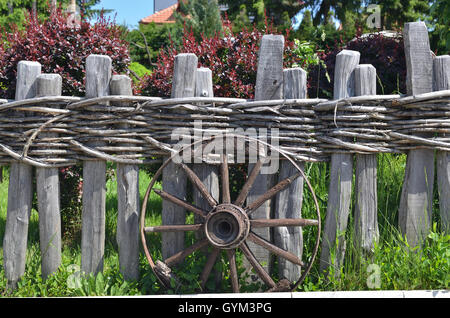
[45, 130]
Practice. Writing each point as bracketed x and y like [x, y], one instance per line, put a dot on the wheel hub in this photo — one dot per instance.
[227, 226]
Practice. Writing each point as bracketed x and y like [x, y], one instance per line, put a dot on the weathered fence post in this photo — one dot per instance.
[441, 69]
[174, 178]
[47, 188]
[341, 173]
[289, 201]
[417, 193]
[365, 222]
[208, 174]
[20, 190]
[127, 198]
[98, 76]
[269, 85]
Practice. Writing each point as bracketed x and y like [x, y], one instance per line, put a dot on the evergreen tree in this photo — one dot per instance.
[86, 8]
[440, 21]
[13, 12]
[241, 20]
[395, 13]
[147, 40]
[306, 30]
[280, 12]
[200, 16]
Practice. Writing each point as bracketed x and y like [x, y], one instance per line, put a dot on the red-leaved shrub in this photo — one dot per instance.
[232, 58]
[61, 48]
[386, 54]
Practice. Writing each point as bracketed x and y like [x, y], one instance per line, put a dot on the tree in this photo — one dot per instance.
[440, 21]
[86, 8]
[306, 29]
[241, 20]
[147, 40]
[61, 49]
[394, 13]
[200, 16]
[280, 12]
[232, 58]
[13, 12]
[283, 11]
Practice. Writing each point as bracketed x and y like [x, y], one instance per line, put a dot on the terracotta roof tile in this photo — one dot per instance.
[163, 16]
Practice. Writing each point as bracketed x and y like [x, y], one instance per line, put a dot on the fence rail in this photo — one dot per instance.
[42, 129]
[308, 129]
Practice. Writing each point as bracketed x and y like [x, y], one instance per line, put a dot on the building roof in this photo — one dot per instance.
[163, 16]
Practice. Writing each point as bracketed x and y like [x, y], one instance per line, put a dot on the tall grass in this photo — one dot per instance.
[393, 264]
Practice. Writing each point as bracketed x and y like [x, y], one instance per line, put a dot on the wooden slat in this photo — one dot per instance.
[173, 228]
[20, 191]
[441, 70]
[258, 223]
[98, 76]
[366, 221]
[289, 201]
[341, 172]
[174, 179]
[417, 193]
[47, 187]
[269, 85]
[128, 207]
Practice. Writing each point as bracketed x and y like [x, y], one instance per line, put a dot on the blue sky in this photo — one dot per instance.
[128, 12]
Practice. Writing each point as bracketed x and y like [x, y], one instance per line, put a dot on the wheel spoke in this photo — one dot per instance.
[248, 184]
[231, 254]
[200, 185]
[180, 256]
[212, 257]
[270, 193]
[274, 249]
[257, 267]
[225, 180]
[180, 202]
[257, 223]
[173, 228]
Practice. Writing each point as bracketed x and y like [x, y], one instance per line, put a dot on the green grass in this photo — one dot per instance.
[394, 265]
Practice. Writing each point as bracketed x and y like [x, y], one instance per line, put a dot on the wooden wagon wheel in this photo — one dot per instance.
[227, 225]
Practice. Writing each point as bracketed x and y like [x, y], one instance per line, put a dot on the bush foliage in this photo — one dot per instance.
[232, 59]
[61, 48]
[385, 53]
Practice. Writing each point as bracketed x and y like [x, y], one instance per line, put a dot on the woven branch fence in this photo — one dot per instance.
[44, 130]
[308, 129]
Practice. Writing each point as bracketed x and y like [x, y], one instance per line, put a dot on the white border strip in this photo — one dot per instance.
[337, 294]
